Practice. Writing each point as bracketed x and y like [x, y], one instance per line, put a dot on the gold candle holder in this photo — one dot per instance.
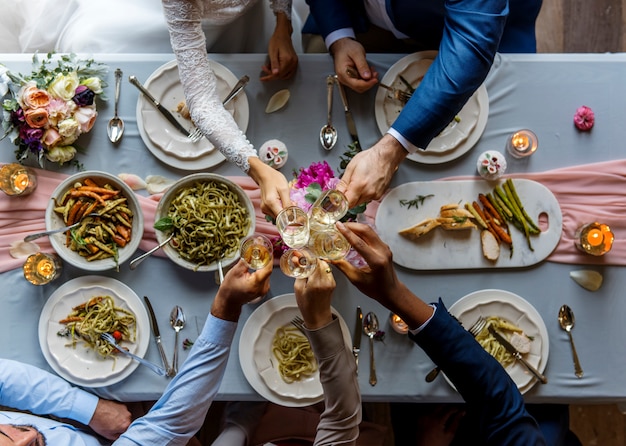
[522, 143]
[17, 180]
[42, 268]
[594, 238]
[398, 325]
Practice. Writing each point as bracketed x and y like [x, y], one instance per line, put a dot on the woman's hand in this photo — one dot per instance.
[274, 187]
[282, 58]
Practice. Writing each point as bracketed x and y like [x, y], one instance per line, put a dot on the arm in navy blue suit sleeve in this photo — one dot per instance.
[330, 15]
[480, 379]
[471, 35]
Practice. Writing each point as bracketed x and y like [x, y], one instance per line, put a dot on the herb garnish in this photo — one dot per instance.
[417, 201]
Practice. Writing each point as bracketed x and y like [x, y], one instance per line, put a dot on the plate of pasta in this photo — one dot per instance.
[72, 319]
[512, 316]
[265, 367]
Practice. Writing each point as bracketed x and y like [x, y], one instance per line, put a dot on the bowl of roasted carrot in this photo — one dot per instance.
[107, 219]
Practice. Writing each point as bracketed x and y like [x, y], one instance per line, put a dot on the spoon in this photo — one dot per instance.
[177, 321]
[370, 328]
[328, 134]
[137, 260]
[37, 235]
[566, 320]
[116, 125]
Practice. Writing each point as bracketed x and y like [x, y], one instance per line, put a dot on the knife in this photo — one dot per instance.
[356, 340]
[157, 335]
[348, 112]
[241, 83]
[164, 111]
[516, 354]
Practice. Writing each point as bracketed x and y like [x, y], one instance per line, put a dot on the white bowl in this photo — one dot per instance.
[54, 221]
[173, 191]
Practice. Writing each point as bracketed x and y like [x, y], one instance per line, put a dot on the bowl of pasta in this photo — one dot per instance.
[108, 218]
[208, 216]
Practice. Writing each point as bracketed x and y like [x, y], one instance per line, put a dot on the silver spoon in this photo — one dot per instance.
[37, 235]
[566, 320]
[137, 260]
[370, 328]
[177, 321]
[116, 125]
[328, 134]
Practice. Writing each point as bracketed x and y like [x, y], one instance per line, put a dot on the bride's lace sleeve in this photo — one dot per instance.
[283, 6]
[200, 84]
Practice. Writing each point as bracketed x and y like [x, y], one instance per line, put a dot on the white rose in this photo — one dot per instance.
[86, 117]
[64, 87]
[69, 129]
[61, 154]
[94, 84]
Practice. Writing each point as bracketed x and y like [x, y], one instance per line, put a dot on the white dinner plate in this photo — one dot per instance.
[441, 249]
[163, 139]
[82, 365]
[519, 311]
[256, 358]
[453, 141]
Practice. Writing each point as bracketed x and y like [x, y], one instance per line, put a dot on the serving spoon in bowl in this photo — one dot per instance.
[115, 129]
[31, 237]
[137, 260]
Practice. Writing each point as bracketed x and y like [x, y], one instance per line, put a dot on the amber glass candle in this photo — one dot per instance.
[594, 238]
[16, 179]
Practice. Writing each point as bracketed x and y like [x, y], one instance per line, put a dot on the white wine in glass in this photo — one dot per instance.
[293, 225]
[329, 208]
[329, 244]
[256, 251]
[298, 263]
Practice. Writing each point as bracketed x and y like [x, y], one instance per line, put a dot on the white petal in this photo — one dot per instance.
[277, 101]
[155, 184]
[20, 249]
[588, 279]
[133, 181]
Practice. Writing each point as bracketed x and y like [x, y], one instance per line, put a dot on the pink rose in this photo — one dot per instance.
[36, 117]
[86, 117]
[33, 97]
[584, 118]
[51, 137]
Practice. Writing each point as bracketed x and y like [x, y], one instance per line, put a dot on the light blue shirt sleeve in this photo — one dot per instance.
[339, 34]
[26, 387]
[182, 408]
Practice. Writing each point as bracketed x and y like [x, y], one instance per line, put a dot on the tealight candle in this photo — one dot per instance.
[398, 325]
[42, 268]
[594, 238]
[522, 143]
[16, 179]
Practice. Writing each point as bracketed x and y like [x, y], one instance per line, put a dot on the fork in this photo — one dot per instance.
[195, 135]
[155, 368]
[400, 95]
[298, 322]
[474, 330]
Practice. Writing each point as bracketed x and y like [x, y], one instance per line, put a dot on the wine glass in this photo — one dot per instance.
[293, 225]
[329, 208]
[329, 244]
[298, 262]
[256, 251]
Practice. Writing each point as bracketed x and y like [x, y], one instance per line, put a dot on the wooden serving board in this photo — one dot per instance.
[442, 249]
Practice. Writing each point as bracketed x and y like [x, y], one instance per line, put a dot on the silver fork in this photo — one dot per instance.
[474, 330]
[195, 136]
[400, 95]
[155, 368]
[298, 322]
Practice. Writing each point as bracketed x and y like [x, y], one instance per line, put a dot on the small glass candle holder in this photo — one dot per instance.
[293, 226]
[398, 325]
[256, 251]
[42, 268]
[299, 263]
[594, 238]
[329, 208]
[522, 143]
[17, 180]
[329, 244]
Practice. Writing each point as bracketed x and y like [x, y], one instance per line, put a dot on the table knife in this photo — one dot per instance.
[356, 340]
[241, 83]
[516, 354]
[157, 334]
[349, 118]
[164, 111]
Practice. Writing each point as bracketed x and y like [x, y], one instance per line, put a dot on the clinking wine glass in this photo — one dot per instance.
[329, 208]
[256, 251]
[293, 225]
[329, 244]
[298, 262]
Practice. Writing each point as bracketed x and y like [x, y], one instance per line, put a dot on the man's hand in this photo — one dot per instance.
[314, 294]
[351, 65]
[111, 419]
[274, 187]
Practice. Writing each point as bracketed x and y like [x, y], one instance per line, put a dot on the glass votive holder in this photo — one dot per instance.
[329, 244]
[256, 251]
[42, 268]
[398, 325]
[299, 263]
[594, 238]
[293, 226]
[17, 180]
[329, 208]
[522, 143]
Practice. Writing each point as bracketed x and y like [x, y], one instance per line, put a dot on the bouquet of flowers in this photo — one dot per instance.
[46, 111]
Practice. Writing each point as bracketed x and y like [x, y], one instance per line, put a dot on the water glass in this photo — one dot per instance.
[42, 268]
[293, 225]
[298, 263]
[329, 208]
[16, 179]
[256, 251]
[329, 244]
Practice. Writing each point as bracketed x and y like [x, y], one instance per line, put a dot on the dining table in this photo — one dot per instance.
[540, 92]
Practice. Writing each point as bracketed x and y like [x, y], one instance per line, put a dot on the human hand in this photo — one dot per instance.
[314, 294]
[282, 58]
[274, 187]
[239, 287]
[351, 65]
[110, 419]
[360, 183]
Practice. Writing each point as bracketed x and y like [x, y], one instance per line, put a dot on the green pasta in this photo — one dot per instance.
[293, 352]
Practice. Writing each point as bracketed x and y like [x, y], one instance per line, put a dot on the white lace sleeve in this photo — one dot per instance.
[200, 84]
[283, 6]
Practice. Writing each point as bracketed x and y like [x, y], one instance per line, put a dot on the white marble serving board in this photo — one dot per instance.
[443, 249]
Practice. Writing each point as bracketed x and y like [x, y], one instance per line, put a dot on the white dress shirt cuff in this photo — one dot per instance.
[339, 34]
[421, 327]
[84, 407]
[408, 145]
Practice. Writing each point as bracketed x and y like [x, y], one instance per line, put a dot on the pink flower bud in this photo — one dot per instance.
[584, 118]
